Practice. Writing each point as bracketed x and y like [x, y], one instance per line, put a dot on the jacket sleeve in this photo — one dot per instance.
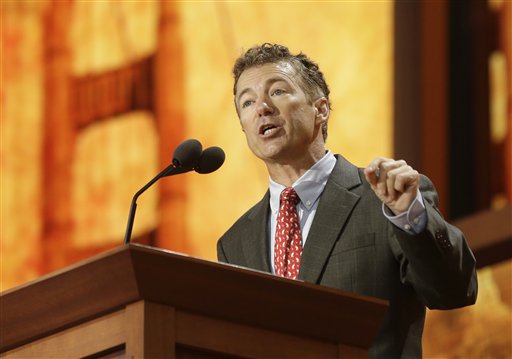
[437, 263]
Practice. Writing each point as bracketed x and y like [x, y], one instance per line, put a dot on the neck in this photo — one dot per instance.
[286, 172]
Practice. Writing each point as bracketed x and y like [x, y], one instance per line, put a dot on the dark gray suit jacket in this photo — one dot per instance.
[353, 247]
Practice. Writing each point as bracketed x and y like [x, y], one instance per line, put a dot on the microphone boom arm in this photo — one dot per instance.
[188, 156]
[168, 171]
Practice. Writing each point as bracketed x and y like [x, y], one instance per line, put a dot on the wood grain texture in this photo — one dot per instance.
[245, 341]
[135, 273]
[83, 340]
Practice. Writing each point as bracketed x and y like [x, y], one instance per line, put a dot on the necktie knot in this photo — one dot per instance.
[289, 195]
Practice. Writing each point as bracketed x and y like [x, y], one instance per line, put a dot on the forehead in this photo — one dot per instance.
[261, 74]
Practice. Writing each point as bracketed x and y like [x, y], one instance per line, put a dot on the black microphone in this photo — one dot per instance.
[211, 159]
[186, 156]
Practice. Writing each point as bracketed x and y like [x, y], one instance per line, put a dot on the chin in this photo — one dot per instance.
[266, 152]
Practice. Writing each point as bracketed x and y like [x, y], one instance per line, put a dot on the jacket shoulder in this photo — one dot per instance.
[229, 246]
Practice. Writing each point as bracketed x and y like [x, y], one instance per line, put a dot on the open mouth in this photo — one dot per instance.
[267, 129]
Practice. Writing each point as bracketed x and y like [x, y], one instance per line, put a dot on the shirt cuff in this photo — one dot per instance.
[414, 220]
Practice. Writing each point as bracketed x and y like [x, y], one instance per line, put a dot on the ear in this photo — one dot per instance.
[322, 111]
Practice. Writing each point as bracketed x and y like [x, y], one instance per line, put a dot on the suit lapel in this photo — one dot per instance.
[336, 204]
[255, 239]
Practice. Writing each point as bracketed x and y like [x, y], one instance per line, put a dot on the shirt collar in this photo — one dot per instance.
[309, 186]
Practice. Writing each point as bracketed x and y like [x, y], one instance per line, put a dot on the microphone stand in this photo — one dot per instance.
[168, 171]
[188, 156]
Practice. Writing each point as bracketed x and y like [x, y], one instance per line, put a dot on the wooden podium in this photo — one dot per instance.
[141, 302]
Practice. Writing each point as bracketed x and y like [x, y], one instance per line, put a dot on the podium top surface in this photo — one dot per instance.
[109, 281]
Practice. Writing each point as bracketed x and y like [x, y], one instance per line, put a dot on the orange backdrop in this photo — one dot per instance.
[96, 94]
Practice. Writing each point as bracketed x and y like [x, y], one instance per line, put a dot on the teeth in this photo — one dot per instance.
[268, 130]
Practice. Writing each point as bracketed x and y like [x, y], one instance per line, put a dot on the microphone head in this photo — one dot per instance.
[187, 154]
[211, 160]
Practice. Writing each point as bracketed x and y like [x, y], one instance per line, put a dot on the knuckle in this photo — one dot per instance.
[386, 165]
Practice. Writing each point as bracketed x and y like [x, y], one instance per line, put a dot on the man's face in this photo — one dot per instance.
[280, 123]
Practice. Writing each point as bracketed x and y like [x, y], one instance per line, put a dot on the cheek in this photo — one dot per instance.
[247, 129]
[244, 123]
[303, 117]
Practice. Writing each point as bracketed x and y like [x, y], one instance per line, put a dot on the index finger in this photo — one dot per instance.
[372, 171]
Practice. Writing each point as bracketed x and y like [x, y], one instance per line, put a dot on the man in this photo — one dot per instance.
[375, 231]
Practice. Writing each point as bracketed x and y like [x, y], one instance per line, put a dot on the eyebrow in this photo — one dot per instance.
[269, 82]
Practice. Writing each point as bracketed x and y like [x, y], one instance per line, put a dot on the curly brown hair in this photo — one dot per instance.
[311, 78]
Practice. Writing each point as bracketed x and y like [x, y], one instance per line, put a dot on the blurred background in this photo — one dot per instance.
[95, 96]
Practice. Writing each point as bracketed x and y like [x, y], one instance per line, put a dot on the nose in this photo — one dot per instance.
[264, 107]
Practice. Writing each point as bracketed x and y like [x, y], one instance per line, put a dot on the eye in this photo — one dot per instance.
[246, 103]
[277, 92]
